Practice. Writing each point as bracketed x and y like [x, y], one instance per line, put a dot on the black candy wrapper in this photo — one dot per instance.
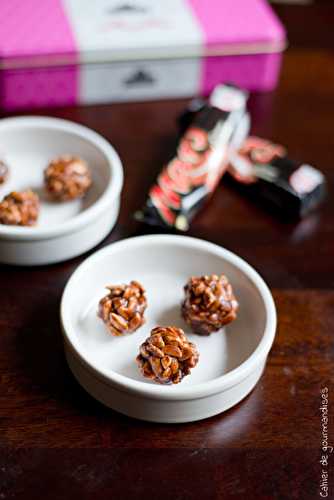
[190, 177]
[262, 170]
[187, 117]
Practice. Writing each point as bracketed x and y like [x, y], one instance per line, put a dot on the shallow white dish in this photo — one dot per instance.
[231, 360]
[64, 230]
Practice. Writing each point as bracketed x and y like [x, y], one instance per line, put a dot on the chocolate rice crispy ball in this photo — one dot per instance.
[67, 178]
[3, 172]
[209, 303]
[122, 309]
[167, 355]
[19, 208]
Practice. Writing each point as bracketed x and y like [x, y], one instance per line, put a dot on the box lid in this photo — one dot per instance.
[60, 32]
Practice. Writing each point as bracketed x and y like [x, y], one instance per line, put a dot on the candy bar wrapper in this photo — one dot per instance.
[200, 160]
[186, 118]
[266, 173]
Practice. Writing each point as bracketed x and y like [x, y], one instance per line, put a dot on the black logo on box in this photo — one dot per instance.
[140, 77]
[127, 8]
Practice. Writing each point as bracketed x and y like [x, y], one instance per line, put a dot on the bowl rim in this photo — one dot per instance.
[142, 388]
[111, 192]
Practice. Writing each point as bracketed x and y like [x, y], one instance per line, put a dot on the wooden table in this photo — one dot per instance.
[59, 443]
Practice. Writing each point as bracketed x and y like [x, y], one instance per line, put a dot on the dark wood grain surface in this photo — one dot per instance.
[58, 443]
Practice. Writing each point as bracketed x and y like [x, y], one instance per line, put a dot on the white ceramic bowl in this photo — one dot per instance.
[64, 230]
[231, 360]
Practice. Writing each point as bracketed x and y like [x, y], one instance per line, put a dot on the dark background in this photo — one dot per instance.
[59, 443]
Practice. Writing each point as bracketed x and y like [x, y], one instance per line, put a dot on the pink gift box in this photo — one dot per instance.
[63, 52]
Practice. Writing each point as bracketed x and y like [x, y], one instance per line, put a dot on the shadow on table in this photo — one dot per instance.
[43, 362]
